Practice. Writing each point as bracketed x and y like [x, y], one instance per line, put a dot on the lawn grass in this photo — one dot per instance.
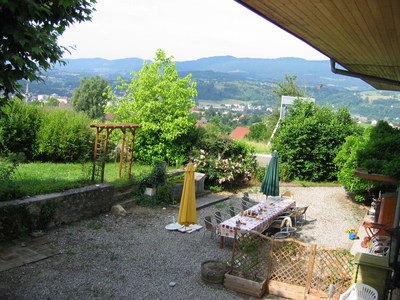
[259, 148]
[43, 178]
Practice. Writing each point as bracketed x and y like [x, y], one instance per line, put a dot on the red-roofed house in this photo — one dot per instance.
[200, 123]
[240, 132]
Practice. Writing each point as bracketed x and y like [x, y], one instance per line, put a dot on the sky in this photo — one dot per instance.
[184, 29]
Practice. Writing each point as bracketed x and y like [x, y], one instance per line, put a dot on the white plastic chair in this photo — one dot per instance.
[379, 250]
[380, 240]
[360, 291]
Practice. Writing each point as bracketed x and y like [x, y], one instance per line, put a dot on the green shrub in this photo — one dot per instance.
[309, 139]
[65, 136]
[377, 151]
[157, 180]
[234, 169]
[18, 128]
[8, 189]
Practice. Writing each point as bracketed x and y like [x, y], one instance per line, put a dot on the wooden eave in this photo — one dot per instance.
[366, 175]
[363, 36]
[116, 126]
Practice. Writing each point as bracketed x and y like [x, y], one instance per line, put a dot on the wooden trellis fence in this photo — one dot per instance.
[288, 268]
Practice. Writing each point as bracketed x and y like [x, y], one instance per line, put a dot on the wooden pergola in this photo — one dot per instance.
[103, 132]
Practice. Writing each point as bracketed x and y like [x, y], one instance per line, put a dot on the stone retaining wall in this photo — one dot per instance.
[21, 217]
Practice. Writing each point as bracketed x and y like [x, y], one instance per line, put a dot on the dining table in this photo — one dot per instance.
[258, 217]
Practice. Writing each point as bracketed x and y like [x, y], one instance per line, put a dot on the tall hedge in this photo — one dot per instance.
[64, 136]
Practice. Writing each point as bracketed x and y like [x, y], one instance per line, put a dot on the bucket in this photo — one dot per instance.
[213, 271]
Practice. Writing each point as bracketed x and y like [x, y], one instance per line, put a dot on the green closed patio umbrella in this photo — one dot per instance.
[270, 183]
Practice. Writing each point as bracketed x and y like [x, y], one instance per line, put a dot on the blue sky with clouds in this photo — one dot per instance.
[184, 29]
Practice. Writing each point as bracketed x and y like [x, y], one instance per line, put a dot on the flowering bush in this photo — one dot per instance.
[228, 173]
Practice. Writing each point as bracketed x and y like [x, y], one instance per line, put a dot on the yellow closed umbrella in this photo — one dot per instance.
[187, 209]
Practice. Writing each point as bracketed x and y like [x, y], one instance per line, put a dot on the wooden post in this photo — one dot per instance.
[311, 259]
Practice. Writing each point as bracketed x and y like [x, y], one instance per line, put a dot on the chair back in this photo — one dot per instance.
[303, 210]
[208, 223]
[218, 217]
[360, 291]
[233, 211]
[379, 250]
[287, 194]
[285, 233]
[380, 240]
[246, 204]
[281, 222]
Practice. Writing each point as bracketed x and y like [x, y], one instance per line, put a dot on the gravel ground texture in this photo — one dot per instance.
[135, 257]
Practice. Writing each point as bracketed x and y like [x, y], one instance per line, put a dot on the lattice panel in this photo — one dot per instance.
[318, 270]
[250, 255]
[290, 262]
[332, 266]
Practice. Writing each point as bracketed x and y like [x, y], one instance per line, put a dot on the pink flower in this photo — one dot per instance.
[202, 151]
[202, 156]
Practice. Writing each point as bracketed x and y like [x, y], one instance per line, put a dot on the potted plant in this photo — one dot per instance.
[156, 178]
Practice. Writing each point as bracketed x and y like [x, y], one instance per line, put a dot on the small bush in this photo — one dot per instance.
[230, 172]
[8, 189]
[156, 179]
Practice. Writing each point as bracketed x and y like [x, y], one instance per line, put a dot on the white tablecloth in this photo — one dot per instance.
[271, 208]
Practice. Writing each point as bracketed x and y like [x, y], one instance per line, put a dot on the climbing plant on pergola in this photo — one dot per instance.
[103, 132]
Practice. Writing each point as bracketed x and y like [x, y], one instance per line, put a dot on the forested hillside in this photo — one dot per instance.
[226, 78]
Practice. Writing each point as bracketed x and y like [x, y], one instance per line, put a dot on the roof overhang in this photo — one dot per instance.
[362, 36]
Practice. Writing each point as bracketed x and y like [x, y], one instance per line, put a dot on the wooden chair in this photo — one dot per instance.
[209, 226]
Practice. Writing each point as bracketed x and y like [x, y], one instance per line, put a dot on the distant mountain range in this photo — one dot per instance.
[222, 68]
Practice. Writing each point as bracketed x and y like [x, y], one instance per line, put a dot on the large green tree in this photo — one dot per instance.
[29, 30]
[309, 139]
[159, 100]
[91, 96]
[288, 87]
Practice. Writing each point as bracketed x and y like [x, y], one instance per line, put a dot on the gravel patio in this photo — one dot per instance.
[135, 257]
